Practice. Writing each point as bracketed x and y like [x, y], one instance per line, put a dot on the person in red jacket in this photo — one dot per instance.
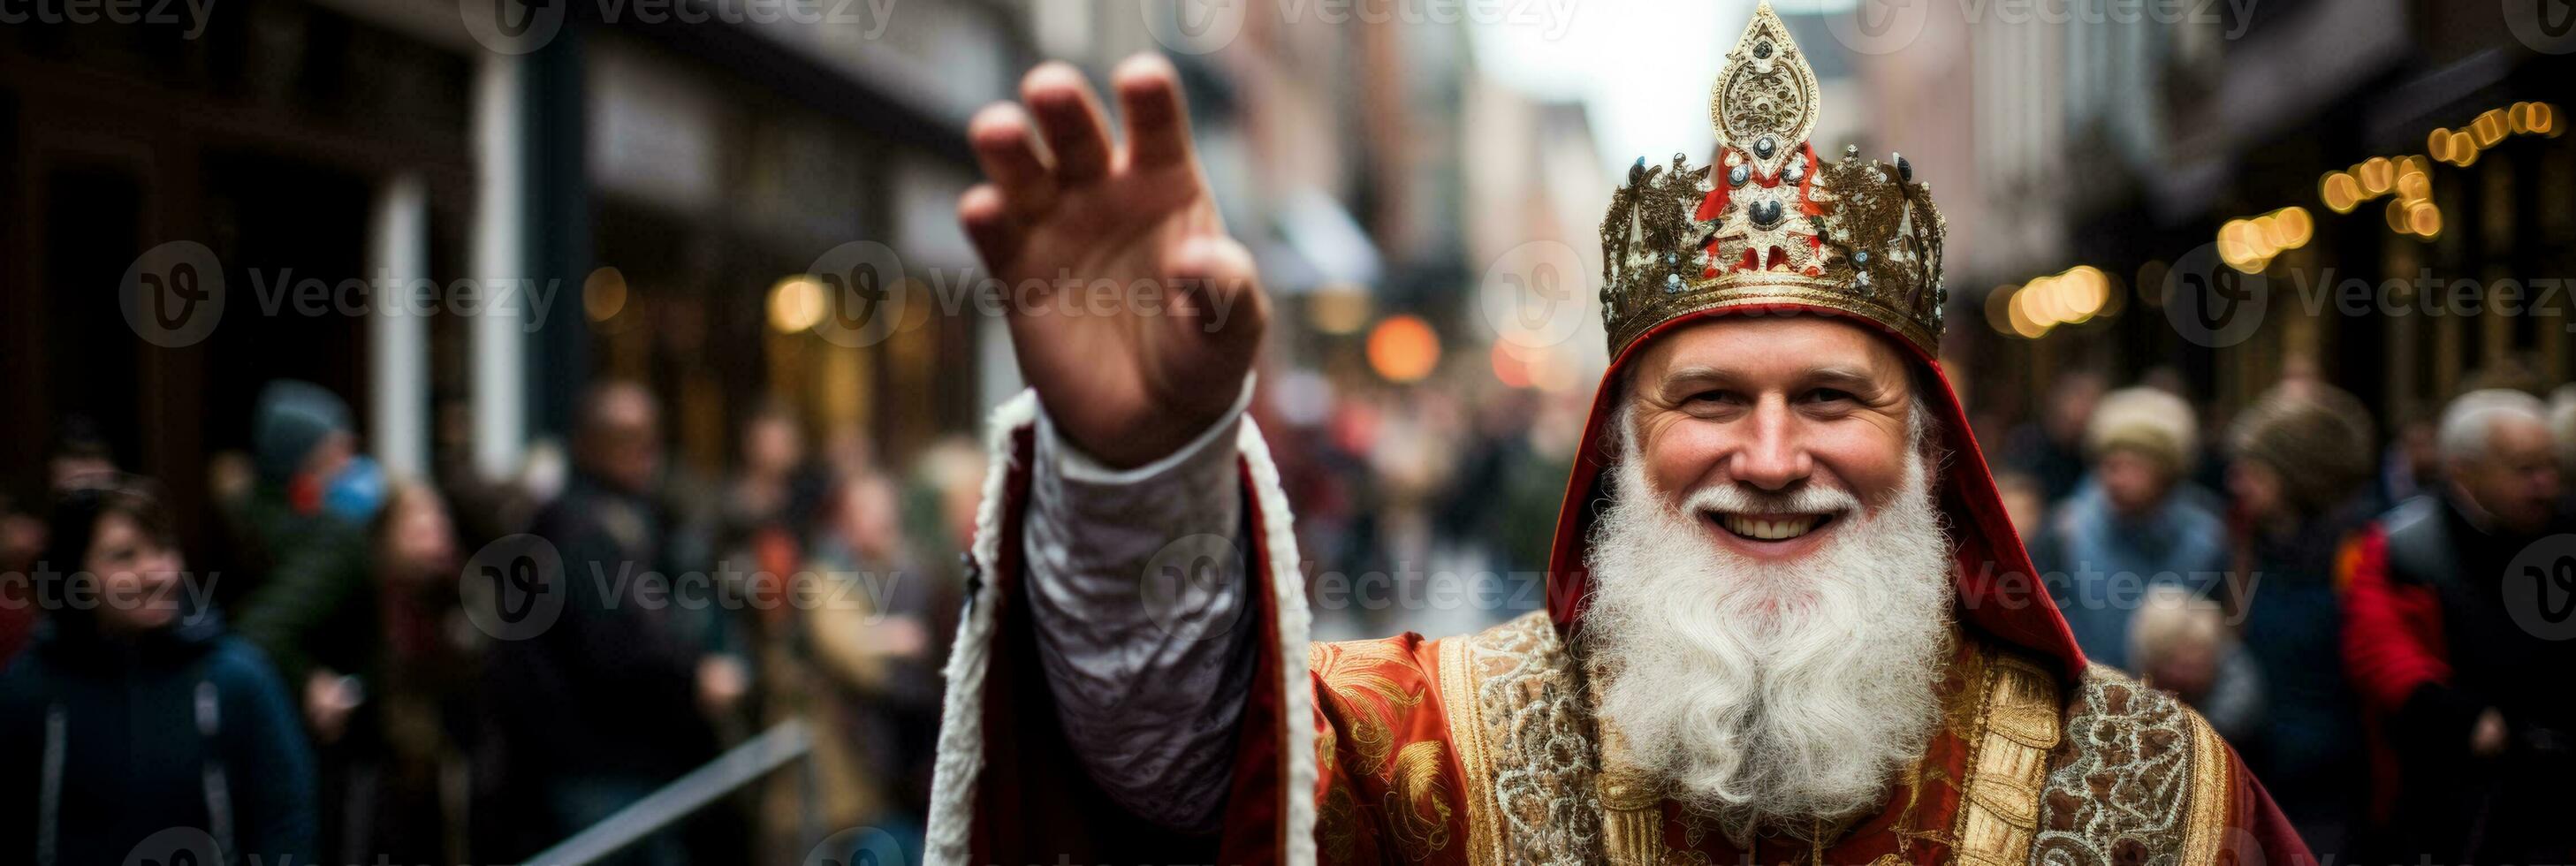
[2462, 674]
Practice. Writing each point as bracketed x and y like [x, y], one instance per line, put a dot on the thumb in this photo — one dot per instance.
[1217, 291]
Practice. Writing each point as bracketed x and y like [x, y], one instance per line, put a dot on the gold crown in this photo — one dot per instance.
[1775, 225]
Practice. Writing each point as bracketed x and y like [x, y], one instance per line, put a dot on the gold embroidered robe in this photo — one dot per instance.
[1483, 749]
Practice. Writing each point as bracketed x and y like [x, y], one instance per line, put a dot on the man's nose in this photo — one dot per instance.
[1773, 458]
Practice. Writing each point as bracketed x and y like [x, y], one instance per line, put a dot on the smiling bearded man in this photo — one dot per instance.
[1735, 677]
[1787, 620]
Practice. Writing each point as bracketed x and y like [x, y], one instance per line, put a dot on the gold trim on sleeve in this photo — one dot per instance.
[2017, 725]
[2205, 826]
[1475, 761]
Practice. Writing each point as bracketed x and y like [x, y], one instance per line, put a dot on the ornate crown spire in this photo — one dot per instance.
[1770, 224]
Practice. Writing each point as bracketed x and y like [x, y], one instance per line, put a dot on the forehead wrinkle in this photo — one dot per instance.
[1844, 375]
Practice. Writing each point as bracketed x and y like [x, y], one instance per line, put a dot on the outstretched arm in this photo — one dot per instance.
[1135, 478]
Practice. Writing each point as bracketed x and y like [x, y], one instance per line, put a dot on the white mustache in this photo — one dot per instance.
[1734, 498]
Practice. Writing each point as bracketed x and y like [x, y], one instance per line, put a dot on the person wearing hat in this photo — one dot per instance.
[1786, 618]
[2133, 523]
[2303, 457]
[309, 599]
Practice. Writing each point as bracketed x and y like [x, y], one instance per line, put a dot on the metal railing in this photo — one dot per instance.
[742, 765]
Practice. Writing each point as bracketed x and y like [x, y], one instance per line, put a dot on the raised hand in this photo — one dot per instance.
[1131, 378]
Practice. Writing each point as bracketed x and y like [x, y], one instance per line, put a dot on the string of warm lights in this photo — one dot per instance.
[2079, 294]
[2406, 179]
[2069, 297]
[2461, 147]
[2249, 244]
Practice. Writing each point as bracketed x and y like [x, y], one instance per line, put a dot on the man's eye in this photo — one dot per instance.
[1828, 395]
[1713, 397]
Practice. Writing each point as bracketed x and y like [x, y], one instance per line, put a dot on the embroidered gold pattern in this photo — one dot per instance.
[1337, 822]
[2207, 828]
[1632, 799]
[1467, 735]
[2130, 780]
[1366, 698]
[1417, 805]
[2123, 775]
[1531, 797]
[2008, 748]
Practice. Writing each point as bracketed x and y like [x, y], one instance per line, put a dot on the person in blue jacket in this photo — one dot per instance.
[136, 729]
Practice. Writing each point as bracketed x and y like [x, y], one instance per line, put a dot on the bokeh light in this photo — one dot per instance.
[796, 304]
[1403, 348]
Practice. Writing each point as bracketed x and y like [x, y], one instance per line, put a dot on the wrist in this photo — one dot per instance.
[1141, 458]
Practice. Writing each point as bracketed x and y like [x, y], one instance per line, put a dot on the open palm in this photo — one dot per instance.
[1133, 314]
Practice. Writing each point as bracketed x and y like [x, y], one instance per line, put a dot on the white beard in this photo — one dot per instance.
[1771, 695]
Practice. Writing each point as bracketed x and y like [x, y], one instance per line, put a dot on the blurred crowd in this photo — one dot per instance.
[2371, 614]
[2355, 619]
[1428, 507]
[342, 678]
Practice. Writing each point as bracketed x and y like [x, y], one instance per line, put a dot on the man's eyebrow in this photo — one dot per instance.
[1681, 375]
[1846, 378]
[1828, 375]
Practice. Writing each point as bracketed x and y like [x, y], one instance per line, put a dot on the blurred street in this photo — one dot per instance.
[493, 413]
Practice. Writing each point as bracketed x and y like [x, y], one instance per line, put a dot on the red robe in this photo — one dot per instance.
[1483, 749]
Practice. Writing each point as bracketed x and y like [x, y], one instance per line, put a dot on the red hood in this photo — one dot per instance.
[1998, 589]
